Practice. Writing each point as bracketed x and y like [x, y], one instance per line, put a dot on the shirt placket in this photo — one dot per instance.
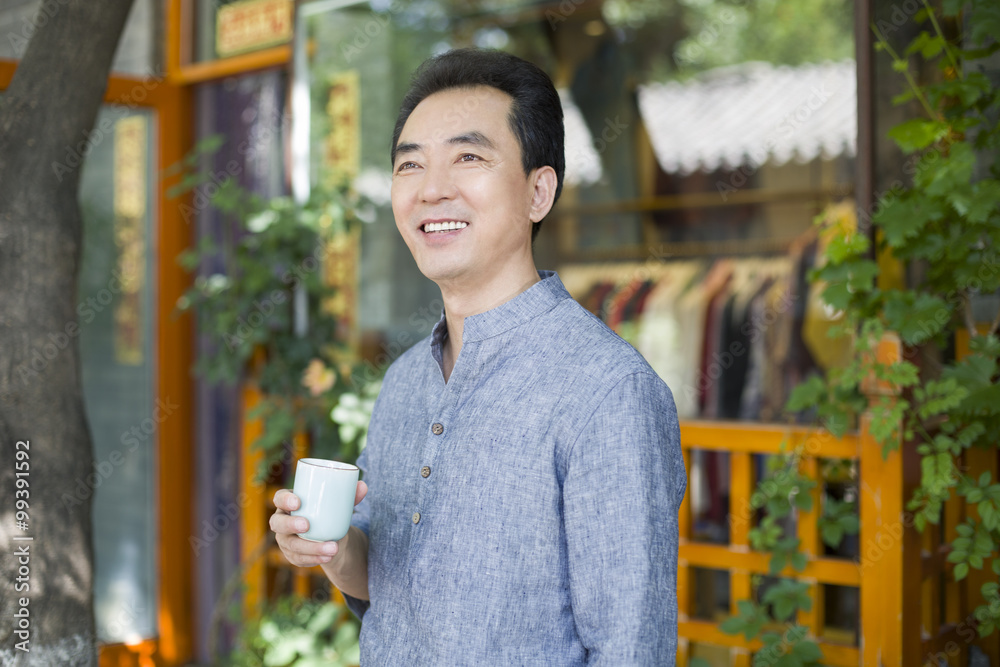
[439, 428]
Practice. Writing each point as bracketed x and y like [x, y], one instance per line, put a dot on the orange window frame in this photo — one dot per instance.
[174, 356]
[180, 72]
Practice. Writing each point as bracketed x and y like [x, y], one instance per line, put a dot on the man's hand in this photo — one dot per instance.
[297, 551]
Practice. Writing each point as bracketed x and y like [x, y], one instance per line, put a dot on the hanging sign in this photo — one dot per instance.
[248, 25]
[130, 194]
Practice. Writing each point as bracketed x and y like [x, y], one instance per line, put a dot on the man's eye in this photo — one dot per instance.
[468, 157]
[406, 165]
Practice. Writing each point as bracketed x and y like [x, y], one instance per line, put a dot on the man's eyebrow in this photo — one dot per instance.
[407, 148]
[475, 138]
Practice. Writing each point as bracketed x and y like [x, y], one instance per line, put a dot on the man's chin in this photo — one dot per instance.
[445, 274]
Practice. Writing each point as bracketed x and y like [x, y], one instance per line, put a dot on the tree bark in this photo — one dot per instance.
[45, 117]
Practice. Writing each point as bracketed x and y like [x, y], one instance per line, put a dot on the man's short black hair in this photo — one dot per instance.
[536, 117]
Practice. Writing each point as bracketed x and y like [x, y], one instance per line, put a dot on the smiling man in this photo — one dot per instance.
[523, 472]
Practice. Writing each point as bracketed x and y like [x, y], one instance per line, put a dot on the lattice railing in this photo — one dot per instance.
[912, 612]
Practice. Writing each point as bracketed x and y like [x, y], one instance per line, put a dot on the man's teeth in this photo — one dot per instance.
[444, 226]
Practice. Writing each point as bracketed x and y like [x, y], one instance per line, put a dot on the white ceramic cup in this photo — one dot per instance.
[326, 490]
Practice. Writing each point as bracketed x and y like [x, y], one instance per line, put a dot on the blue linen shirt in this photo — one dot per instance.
[524, 512]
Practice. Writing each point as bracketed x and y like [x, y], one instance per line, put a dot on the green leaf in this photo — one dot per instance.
[928, 45]
[986, 401]
[903, 97]
[949, 174]
[832, 534]
[323, 619]
[847, 280]
[807, 394]
[916, 316]
[939, 396]
[808, 651]
[986, 26]
[918, 133]
[733, 625]
[777, 563]
[847, 246]
[783, 609]
[347, 635]
[952, 7]
[961, 571]
[905, 218]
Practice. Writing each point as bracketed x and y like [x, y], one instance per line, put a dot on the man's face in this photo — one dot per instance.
[458, 167]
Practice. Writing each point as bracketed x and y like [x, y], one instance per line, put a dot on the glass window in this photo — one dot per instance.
[117, 350]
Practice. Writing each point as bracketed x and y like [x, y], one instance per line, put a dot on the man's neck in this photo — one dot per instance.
[460, 303]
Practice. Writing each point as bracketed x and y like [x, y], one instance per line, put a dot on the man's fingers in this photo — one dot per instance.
[284, 499]
[302, 552]
[360, 493]
[285, 524]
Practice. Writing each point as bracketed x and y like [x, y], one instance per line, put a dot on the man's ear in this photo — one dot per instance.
[544, 194]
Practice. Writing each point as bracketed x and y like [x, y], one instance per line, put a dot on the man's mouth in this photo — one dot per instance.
[441, 227]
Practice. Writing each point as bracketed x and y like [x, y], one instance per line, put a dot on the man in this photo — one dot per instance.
[523, 465]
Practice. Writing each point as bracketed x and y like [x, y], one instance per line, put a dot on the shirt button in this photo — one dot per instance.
[416, 518]
[425, 471]
[437, 429]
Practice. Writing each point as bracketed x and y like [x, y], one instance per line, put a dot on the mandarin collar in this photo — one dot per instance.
[537, 300]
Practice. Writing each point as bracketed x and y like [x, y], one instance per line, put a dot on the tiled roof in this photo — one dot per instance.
[750, 114]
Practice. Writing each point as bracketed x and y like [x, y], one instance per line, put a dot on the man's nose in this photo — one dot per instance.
[436, 184]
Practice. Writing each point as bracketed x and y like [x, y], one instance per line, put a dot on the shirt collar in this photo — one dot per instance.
[538, 299]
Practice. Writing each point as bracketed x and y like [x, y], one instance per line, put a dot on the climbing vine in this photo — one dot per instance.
[944, 228]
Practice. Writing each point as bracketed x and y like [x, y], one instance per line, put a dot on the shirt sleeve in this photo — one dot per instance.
[624, 483]
[362, 519]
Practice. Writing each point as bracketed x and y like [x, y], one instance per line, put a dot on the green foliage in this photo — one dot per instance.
[295, 632]
[749, 620]
[782, 490]
[973, 545]
[265, 297]
[839, 519]
[791, 649]
[988, 614]
[786, 597]
[727, 32]
[945, 224]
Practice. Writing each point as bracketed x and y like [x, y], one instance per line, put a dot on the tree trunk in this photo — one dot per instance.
[46, 583]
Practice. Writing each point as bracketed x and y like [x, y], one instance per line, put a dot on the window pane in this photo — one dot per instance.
[115, 308]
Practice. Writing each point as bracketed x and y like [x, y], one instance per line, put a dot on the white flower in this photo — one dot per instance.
[216, 283]
[262, 221]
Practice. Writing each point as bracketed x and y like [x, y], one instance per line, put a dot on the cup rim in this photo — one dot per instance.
[329, 464]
